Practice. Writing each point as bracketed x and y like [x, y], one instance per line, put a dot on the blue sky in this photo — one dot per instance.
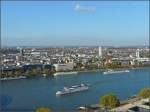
[75, 23]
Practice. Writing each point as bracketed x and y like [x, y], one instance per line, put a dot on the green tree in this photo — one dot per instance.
[43, 109]
[37, 71]
[46, 71]
[31, 73]
[17, 73]
[144, 93]
[109, 101]
[10, 73]
[52, 70]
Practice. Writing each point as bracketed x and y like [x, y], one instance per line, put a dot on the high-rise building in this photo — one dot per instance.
[100, 52]
[137, 53]
[21, 52]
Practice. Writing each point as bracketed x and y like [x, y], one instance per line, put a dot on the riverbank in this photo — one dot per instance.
[22, 76]
[75, 72]
[124, 104]
[13, 78]
[101, 70]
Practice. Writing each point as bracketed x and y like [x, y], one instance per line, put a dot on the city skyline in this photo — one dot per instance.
[75, 23]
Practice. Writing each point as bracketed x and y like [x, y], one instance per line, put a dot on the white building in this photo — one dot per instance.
[137, 53]
[139, 59]
[64, 67]
[142, 59]
[100, 52]
[35, 53]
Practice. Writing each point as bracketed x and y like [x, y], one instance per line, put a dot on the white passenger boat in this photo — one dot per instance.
[115, 71]
[64, 73]
[73, 89]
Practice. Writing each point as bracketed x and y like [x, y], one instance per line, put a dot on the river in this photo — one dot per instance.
[29, 94]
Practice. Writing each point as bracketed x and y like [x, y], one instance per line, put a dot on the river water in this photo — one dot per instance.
[29, 94]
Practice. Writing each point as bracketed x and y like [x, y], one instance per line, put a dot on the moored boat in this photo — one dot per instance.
[64, 73]
[115, 71]
[13, 78]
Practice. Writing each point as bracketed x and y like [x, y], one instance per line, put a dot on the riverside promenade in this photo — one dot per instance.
[135, 103]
